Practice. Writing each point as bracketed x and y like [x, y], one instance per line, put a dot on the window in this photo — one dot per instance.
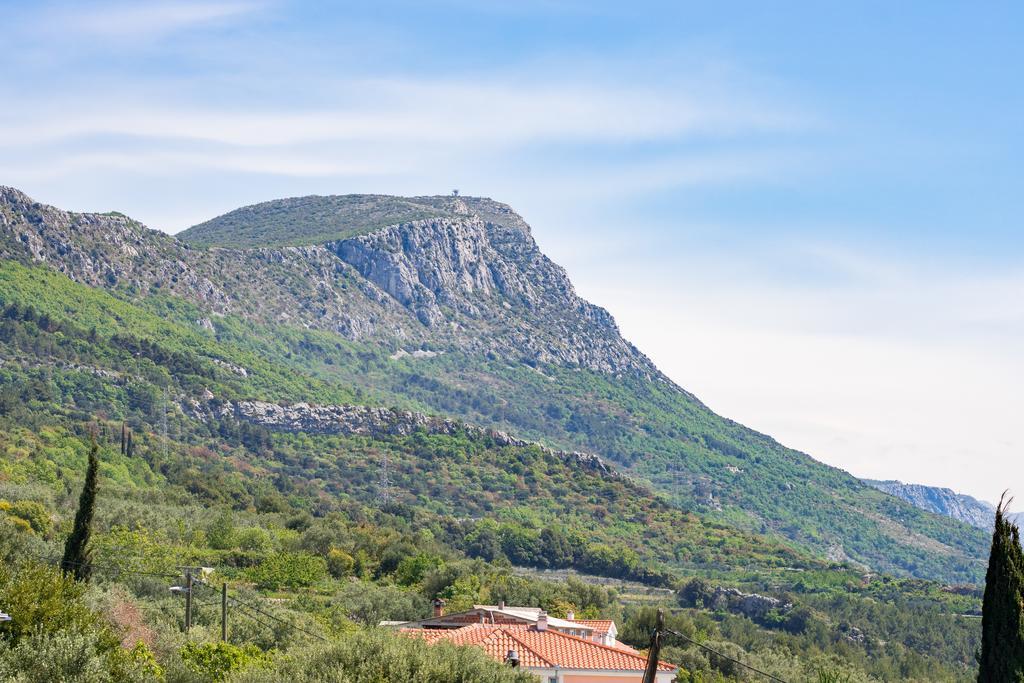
[553, 679]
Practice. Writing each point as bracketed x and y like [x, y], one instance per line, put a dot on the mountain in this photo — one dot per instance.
[942, 501]
[446, 306]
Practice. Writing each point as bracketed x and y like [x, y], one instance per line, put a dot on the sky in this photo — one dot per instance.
[808, 214]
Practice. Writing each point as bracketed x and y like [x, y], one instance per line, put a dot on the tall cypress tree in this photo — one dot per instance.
[1001, 658]
[76, 550]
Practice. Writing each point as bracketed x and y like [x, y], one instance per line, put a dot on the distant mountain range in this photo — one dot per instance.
[446, 306]
[944, 501]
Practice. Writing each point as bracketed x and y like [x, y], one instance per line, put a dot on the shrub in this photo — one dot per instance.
[43, 600]
[220, 535]
[28, 511]
[386, 657]
[339, 563]
[288, 570]
[218, 659]
[368, 604]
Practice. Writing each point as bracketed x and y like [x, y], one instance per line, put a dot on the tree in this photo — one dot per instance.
[76, 550]
[1002, 624]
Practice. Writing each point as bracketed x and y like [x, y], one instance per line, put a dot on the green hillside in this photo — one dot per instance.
[305, 519]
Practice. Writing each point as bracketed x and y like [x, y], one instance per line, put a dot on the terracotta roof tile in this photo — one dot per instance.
[599, 625]
[540, 649]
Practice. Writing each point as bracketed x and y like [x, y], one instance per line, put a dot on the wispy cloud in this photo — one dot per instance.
[449, 112]
[143, 20]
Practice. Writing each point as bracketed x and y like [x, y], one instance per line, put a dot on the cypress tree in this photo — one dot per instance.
[76, 550]
[1001, 658]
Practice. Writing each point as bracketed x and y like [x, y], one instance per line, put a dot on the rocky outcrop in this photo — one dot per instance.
[471, 279]
[376, 422]
[942, 501]
[493, 277]
[752, 605]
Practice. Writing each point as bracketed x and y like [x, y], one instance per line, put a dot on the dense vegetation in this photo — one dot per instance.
[306, 521]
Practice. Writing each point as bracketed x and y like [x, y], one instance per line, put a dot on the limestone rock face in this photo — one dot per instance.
[377, 422]
[472, 279]
[943, 501]
[751, 605]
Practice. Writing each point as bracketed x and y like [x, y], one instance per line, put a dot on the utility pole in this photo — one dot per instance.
[652, 656]
[188, 598]
[224, 611]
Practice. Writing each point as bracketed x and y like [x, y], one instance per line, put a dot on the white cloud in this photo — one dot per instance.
[447, 112]
[143, 20]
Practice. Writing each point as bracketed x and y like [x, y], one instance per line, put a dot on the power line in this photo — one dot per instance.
[724, 656]
[103, 567]
[250, 608]
[247, 605]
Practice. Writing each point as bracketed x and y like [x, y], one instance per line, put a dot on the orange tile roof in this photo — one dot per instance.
[619, 645]
[599, 625]
[540, 649]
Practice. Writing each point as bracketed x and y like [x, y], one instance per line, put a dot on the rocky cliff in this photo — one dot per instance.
[469, 278]
[374, 422]
[941, 501]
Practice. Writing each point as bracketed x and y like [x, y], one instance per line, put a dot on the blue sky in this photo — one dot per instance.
[807, 213]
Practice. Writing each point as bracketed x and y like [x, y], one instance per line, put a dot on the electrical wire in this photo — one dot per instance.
[279, 619]
[247, 605]
[724, 656]
[104, 567]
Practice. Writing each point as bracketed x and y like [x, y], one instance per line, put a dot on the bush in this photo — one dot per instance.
[42, 600]
[339, 563]
[254, 539]
[220, 534]
[387, 657]
[218, 659]
[288, 570]
[28, 511]
[54, 636]
[368, 604]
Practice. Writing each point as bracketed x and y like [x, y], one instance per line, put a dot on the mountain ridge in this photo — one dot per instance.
[943, 501]
[366, 288]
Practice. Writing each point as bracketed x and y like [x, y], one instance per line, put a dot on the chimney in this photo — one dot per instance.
[570, 615]
[542, 621]
[501, 605]
[438, 607]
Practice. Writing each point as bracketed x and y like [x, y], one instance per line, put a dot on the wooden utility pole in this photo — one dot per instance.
[652, 656]
[188, 598]
[224, 611]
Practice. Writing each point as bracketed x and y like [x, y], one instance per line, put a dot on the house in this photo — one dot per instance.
[556, 650]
